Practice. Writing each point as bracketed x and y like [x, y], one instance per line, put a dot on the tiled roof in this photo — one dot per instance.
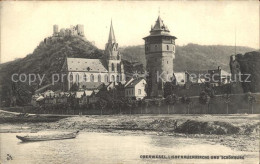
[159, 25]
[92, 85]
[134, 82]
[82, 64]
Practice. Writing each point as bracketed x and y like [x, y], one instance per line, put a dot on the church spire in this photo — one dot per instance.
[111, 38]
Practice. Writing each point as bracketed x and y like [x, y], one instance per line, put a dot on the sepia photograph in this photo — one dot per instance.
[127, 82]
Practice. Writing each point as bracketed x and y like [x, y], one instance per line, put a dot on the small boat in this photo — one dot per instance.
[47, 137]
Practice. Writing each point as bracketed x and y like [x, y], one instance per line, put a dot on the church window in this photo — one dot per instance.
[106, 78]
[92, 78]
[113, 67]
[118, 67]
[155, 47]
[167, 62]
[77, 78]
[167, 47]
[112, 78]
[71, 77]
[117, 78]
[85, 78]
[99, 78]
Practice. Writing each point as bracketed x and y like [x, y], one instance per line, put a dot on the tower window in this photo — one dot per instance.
[113, 67]
[118, 67]
[167, 47]
[167, 62]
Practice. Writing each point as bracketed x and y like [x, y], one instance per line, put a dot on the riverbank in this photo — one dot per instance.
[240, 132]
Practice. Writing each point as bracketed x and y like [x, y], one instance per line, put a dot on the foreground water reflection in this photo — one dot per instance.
[91, 147]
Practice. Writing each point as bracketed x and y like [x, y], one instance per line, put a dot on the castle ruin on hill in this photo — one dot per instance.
[77, 30]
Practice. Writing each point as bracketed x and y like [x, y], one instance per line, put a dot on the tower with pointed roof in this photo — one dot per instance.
[113, 56]
[159, 52]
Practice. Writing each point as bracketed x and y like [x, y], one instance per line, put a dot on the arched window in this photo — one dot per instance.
[118, 67]
[85, 78]
[99, 78]
[167, 47]
[71, 77]
[77, 78]
[155, 46]
[106, 78]
[92, 78]
[112, 78]
[117, 78]
[113, 67]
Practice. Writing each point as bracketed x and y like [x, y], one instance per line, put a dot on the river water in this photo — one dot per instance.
[93, 147]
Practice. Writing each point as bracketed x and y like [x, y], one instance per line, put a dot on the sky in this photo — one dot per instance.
[25, 24]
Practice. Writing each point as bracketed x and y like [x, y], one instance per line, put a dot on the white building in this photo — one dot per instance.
[135, 88]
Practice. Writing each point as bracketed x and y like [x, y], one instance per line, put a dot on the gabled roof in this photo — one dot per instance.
[86, 65]
[134, 83]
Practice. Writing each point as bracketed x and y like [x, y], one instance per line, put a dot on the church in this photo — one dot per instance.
[92, 73]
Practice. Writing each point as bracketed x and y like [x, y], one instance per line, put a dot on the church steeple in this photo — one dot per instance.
[111, 38]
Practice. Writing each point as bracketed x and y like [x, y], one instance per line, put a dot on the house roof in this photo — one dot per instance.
[86, 65]
[79, 94]
[92, 85]
[134, 83]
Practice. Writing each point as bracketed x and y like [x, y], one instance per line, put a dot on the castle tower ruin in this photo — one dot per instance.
[55, 30]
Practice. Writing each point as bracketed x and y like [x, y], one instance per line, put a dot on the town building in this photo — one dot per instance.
[159, 52]
[135, 89]
[84, 72]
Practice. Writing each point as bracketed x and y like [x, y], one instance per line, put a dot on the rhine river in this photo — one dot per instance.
[93, 147]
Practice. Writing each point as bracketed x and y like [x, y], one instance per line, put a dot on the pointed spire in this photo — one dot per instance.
[111, 38]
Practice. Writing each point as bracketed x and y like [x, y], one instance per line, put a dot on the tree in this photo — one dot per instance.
[74, 87]
[171, 100]
[186, 100]
[168, 89]
[226, 99]
[102, 104]
[251, 100]
[158, 103]
[204, 99]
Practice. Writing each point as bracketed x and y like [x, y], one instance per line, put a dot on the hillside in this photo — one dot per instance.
[191, 56]
[47, 59]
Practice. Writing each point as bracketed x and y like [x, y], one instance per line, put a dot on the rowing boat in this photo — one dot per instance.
[47, 137]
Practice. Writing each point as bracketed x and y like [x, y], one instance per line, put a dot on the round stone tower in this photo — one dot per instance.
[159, 52]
